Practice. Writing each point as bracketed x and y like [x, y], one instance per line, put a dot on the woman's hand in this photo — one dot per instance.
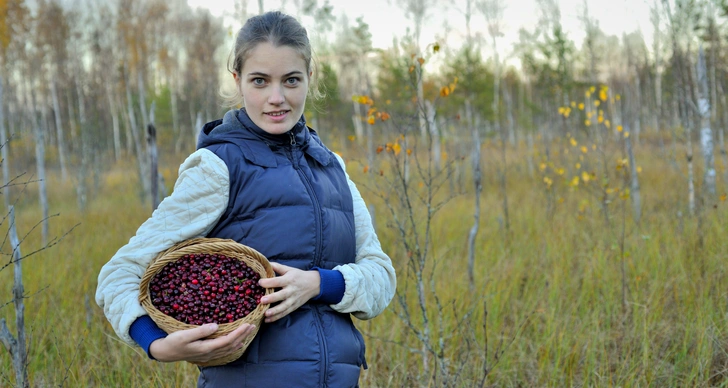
[189, 345]
[296, 288]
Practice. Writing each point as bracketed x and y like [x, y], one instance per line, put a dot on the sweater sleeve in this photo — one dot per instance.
[199, 198]
[371, 280]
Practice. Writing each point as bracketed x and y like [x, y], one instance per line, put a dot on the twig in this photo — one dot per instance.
[25, 296]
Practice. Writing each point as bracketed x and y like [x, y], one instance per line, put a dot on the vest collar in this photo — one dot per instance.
[260, 145]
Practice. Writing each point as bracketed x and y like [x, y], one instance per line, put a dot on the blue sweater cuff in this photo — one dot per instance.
[144, 331]
[332, 286]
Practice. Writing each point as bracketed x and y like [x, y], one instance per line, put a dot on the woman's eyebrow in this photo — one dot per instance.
[261, 74]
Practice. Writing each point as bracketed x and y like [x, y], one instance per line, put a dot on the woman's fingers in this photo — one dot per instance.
[197, 333]
[231, 340]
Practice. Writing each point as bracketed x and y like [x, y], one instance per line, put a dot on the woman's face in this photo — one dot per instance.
[274, 84]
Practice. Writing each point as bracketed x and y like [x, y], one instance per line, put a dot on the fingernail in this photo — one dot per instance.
[212, 326]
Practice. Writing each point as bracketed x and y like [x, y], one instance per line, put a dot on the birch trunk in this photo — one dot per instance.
[4, 148]
[142, 99]
[434, 134]
[357, 121]
[59, 131]
[16, 346]
[114, 122]
[477, 181]
[634, 182]
[153, 161]
[706, 134]
[40, 165]
[137, 143]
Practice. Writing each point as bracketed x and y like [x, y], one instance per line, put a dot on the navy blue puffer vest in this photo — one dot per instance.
[290, 201]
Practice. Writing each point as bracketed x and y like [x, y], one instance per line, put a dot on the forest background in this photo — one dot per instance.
[554, 222]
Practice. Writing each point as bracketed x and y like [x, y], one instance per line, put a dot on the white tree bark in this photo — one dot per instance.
[634, 182]
[477, 181]
[114, 122]
[4, 147]
[706, 134]
[435, 134]
[16, 346]
[40, 164]
[59, 131]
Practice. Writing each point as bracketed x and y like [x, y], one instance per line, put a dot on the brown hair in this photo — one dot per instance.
[279, 30]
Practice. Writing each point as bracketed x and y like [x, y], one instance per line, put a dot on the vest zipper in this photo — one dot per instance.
[317, 256]
[324, 348]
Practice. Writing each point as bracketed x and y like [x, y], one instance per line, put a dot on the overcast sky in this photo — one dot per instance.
[386, 19]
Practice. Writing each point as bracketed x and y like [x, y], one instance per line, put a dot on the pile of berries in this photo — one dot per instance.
[206, 288]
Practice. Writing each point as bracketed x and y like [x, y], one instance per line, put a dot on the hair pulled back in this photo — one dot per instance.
[278, 29]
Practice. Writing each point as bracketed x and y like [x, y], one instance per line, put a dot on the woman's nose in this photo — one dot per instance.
[276, 97]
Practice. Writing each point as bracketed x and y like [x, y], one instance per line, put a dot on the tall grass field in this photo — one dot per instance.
[569, 289]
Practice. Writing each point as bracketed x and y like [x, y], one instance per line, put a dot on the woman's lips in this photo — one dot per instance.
[278, 116]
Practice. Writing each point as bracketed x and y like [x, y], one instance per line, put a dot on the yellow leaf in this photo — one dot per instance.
[600, 119]
[562, 110]
[444, 91]
[575, 181]
[409, 151]
[584, 149]
[585, 177]
[573, 104]
[366, 169]
[370, 120]
[607, 123]
[397, 148]
[625, 194]
[388, 102]
[594, 147]
[573, 142]
[597, 102]
[560, 171]
[592, 89]
[444, 155]
[578, 166]
[626, 134]
[723, 198]
[385, 116]
[412, 68]
[542, 166]
[352, 137]
[581, 106]
[618, 97]
[421, 61]
[619, 128]
[587, 122]
[603, 95]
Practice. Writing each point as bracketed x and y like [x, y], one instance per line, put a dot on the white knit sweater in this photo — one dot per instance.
[199, 198]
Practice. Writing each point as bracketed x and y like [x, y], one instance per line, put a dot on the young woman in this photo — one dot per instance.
[261, 177]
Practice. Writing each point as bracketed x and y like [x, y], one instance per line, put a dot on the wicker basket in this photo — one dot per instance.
[229, 248]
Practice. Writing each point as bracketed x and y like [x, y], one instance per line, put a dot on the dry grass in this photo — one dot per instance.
[555, 290]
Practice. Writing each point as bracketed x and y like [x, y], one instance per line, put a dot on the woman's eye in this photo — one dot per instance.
[258, 81]
[292, 81]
